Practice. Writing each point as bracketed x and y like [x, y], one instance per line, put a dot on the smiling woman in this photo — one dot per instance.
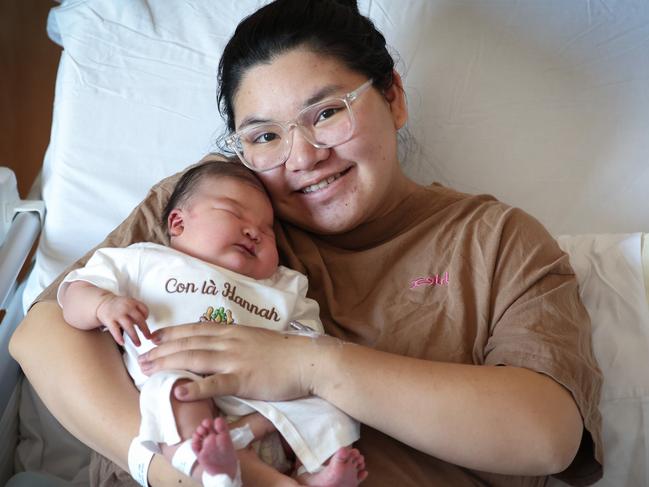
[362, 179]
[494, 340]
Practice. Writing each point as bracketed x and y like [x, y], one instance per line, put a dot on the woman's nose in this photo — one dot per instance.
[304, 155]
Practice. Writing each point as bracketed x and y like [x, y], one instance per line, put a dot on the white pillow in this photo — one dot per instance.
[135, 102]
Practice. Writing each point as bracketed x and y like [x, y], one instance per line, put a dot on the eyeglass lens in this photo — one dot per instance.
[324, 125]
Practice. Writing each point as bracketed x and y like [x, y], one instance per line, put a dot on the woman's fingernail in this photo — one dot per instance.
[144, 366]
[181, 391]
[155, 339]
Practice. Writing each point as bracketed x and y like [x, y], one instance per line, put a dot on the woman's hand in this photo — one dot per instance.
[244, 361]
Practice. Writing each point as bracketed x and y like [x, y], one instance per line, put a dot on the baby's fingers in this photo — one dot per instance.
[144, 328]
[142, 308]
[129, 328]
[138, 319]
[116, 331]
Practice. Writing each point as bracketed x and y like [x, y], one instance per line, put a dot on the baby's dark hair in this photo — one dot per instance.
[189, 181]
[329, 27]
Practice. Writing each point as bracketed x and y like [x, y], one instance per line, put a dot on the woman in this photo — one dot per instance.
[459, 337]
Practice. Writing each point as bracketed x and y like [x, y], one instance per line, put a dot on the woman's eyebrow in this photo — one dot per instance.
[252, 120]
[319, 95]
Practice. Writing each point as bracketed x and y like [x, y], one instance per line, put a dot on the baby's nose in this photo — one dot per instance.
[252, 233]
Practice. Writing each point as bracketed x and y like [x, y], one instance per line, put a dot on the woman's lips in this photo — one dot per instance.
[323, 183]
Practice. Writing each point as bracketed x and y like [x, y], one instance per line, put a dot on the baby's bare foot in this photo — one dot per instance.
[346, 468]
[212, 445]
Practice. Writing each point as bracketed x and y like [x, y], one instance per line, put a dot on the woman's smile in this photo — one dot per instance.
[322, 183]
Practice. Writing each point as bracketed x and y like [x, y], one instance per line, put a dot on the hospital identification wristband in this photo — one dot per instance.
[139, 459]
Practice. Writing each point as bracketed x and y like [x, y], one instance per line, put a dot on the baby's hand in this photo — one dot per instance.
[119, 313]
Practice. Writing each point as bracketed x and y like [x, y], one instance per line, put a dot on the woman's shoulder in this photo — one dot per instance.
[481, 207]
[445, 197]
[437, 204]
[483, 216]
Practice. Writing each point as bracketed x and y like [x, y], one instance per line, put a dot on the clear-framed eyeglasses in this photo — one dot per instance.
[325, 124]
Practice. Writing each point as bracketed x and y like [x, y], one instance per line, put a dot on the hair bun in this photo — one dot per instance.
[352, 4]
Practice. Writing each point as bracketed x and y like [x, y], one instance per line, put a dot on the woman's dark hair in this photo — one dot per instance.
[329, 27]
[187, 184]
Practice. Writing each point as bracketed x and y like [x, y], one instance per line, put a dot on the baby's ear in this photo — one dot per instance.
[175, 222]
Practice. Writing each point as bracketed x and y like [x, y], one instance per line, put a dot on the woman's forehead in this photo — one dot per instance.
[290, 82]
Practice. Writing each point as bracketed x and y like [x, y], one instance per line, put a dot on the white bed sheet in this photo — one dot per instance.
[612, 287]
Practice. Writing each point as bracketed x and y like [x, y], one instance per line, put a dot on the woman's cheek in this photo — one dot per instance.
[276, 184]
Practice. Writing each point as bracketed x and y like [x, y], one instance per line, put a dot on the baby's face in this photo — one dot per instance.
[229, 223]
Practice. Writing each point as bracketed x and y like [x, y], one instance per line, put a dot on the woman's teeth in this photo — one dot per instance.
[322, 184]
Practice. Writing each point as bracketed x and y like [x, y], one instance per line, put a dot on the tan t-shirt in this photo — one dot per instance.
[445, 276]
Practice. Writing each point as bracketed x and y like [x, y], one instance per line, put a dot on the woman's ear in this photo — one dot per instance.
[175, 222]
[396, 98]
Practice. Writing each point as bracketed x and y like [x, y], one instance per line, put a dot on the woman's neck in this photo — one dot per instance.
[401, 187]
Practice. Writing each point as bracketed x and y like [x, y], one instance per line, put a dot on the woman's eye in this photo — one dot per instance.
[327, 113]
[264, 138]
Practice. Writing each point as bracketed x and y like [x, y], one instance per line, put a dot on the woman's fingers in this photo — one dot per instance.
[213, 385]
[187, 330]
[247, 360]
[197, 360]
[188, 343]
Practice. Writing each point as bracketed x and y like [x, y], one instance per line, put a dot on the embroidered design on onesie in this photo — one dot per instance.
[218, 315]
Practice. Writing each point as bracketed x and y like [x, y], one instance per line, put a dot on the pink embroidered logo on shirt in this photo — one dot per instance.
[435, 280]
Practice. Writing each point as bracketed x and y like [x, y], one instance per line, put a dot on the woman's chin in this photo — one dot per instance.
[329, 223]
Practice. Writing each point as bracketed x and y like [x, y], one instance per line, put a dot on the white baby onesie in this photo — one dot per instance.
[178, 289]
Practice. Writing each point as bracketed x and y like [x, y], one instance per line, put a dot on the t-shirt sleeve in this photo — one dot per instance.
[306, 310]
[142, 225]
[539, 322]
[109, 269]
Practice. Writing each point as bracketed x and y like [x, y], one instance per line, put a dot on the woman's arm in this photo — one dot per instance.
[94, 399]
[500, 419]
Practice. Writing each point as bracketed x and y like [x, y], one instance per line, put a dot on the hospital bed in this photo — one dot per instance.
[544, 104]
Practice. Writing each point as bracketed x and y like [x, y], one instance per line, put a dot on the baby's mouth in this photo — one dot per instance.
[249, 249]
